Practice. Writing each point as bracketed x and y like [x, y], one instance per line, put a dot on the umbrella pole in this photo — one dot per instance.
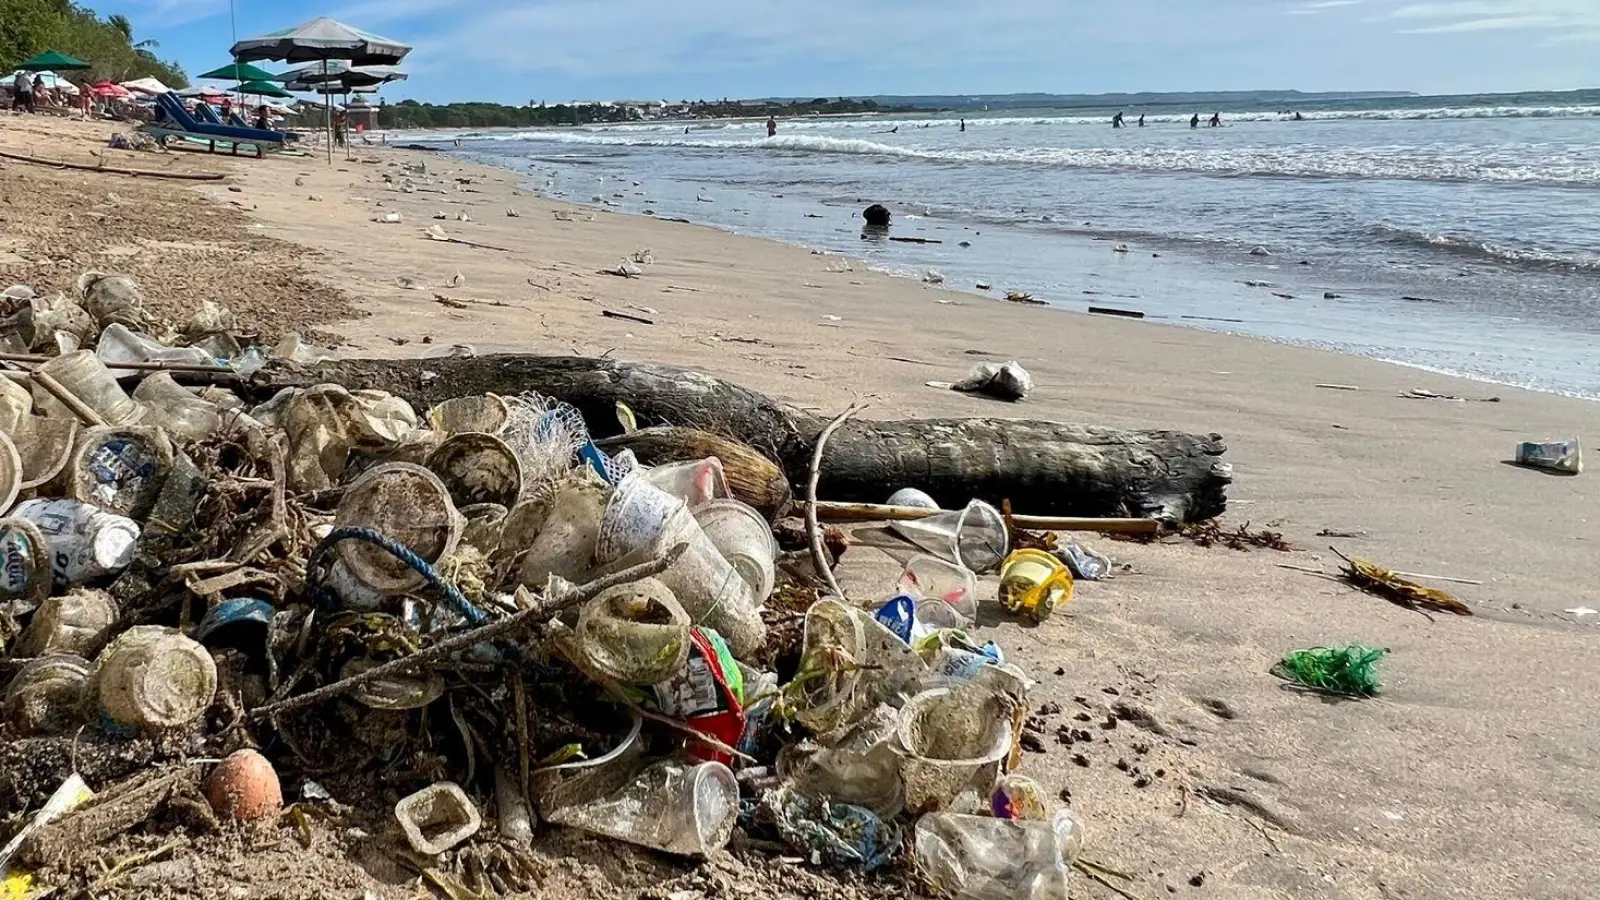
[327, 109]
[349, 154]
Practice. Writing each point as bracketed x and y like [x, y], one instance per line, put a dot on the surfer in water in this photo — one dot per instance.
[1216, 120]
[1116, 121]
[1194, 121]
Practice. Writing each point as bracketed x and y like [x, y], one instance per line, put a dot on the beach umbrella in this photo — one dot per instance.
[238, 72]
[262, 89]
[322, 40]
[108, 89]
[51, 60]
[147, 86]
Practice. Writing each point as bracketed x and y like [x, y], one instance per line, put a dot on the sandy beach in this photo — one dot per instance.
[1473, 775]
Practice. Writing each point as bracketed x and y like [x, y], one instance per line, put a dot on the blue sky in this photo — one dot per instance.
[558, 50]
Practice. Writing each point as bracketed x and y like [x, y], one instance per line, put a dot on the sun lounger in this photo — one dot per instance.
[174, 121]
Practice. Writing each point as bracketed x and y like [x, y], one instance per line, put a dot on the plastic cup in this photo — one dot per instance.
[43, 446]
[697, 482]
[78, 623]
[745, 540]
[405, 503]
[671, 807]
[88, 379]
[974, 537]
[483, 527]
[634, 633]
[1033, 583]
[478, 468]
[120, 469]
[486, 413]
[931, 578]
[46, 696]
[152, 678]
[10, 472]
[556, 536]
[634, 518]
[176, 408]
[954, 740]
[575, 783]
[859, 767]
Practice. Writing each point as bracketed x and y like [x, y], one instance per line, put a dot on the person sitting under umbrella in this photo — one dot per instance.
[263, 119]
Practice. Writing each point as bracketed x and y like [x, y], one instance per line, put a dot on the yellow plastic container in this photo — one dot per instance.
[1033, 583]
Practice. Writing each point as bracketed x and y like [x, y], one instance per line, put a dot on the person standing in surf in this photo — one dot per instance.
[772, 126]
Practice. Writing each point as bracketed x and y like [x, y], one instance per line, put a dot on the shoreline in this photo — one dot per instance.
[1473, 775]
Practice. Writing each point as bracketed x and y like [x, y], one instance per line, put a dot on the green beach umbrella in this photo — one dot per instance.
[238, 72]
[262, 89]
[51, 60]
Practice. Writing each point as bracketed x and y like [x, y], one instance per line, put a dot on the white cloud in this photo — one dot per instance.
[1311, 9]
[1467, 16]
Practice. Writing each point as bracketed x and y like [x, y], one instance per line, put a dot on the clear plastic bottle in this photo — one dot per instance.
[984, 858]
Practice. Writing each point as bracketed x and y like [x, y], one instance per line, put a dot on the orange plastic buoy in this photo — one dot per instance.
[244, 788]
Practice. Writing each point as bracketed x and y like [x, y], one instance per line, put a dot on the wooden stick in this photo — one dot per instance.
[114, 170]
[877, 512]
[613, 314]
[156, 366]
[531, 616]
[67, 398]
[819, 559]
[689, 732]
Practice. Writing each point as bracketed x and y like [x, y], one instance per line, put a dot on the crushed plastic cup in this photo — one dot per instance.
[405, 503]
[25, 577]
[556, 535]
[78, 622]
[120, 469]
[985, 858]
[486, 413]
[695, 483]
[43, 447]
[477, 468]
[634, 633]
[402, 690]
[745, 540]
[152, 679]
[641, 521]
[88, 379]
[177, 409]
[851, 662]
[671, 807]
[86, 543]
[858, 766]
[120, 344]
[1033, 583]
[931, 578]
[974, 537]
[16, 404]
[47, 696]
[576, 783]
[484, 524]
[954, 740]
[1557, 456]
[10, 472]
[1084, 563]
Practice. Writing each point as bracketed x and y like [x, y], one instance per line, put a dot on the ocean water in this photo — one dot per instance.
[1455, 234]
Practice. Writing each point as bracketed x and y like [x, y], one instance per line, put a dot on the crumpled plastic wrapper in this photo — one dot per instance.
[1002, 381]
[112, 299]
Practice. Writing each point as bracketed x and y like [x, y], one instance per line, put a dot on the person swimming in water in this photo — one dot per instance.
[1194, 122]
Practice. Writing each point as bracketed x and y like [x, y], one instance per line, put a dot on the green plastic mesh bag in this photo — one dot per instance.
[1351, 670]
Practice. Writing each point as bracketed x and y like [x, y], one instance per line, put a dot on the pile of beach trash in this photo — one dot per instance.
[205, 567]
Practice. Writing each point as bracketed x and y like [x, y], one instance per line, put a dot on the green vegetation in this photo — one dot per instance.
[411, 114]
[30, 27]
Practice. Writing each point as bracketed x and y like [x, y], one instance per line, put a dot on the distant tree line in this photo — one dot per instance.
[30, 27]
[411, 114]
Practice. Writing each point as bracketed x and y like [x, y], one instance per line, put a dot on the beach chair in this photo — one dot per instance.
[172, 120]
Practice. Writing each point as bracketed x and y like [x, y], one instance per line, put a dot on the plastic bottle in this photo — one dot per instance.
[984, 858]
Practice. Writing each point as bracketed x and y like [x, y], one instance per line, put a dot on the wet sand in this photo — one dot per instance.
[1473, 775]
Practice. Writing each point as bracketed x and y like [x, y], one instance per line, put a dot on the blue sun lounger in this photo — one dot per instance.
[172, 120]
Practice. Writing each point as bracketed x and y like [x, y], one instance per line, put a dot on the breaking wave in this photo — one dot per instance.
[1486, 251]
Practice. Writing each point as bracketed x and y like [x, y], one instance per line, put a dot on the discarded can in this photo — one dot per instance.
[78, 622]
[47, 696]
[1033, 583]
[24, 566]
[241, 623]
[85, 542]
[120, 470]
[152, 678]
[707, 693]
[437, 818]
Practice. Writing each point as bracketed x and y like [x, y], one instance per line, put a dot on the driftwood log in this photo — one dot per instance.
[1043, 468]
